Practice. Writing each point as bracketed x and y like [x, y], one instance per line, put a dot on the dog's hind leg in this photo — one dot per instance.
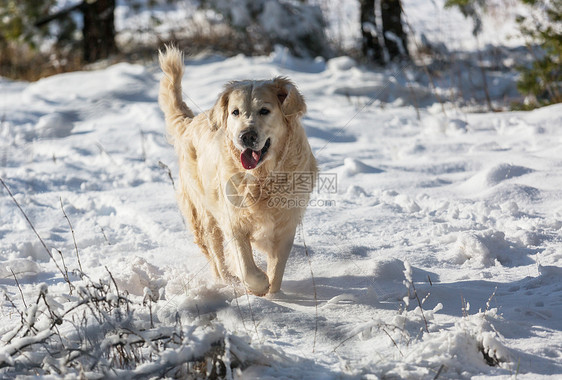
[215, 241]
[199, 228]
[200, 238]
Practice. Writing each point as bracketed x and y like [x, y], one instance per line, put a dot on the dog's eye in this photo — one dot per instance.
[235, 112]
[264, 111]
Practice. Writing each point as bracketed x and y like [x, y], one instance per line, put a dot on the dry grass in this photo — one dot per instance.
[19, 61]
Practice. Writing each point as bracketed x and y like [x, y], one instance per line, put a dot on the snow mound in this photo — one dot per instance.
[341, 64]
[137, 275]
[437, 125]
[401, 203]
[504, 172]
[551, 271]
[389, 270]
[55, 125]
[354, 192]
[494, 176]
[407, 204]
[20, 267]
[487, 249]
[353, 166]
[194, 298]
[282, 57]
[30, 250]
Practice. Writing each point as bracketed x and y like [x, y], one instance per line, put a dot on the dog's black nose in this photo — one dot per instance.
[249, 138]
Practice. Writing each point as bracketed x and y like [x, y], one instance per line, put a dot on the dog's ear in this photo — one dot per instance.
[291, 101]
[219, 113]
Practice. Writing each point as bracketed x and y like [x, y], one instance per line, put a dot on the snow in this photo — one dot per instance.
[435, 253]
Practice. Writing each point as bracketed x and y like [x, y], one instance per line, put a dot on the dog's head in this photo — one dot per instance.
[257, 116]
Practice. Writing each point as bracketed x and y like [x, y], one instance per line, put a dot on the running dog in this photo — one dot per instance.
[238, 163]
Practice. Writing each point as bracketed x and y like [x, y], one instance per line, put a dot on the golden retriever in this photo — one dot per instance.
[239, 164]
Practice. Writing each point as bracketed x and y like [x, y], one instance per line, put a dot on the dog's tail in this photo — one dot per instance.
[177, 113]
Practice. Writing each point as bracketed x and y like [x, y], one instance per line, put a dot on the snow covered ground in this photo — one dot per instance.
[465, 208]
[459, 212]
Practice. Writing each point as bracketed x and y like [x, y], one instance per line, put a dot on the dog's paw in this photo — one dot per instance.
[259, 294]
[257, 283]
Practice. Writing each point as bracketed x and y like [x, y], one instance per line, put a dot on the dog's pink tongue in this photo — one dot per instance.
[250, 158]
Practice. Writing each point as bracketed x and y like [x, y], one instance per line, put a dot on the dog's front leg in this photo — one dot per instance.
[255, 280]
[277, 260]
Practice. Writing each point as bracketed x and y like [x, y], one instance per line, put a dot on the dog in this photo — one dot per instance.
[238, 166]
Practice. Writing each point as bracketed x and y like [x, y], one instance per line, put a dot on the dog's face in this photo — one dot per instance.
[257, 117]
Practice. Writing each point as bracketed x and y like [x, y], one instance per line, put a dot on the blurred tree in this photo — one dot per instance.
[388, 43]
[541, 81]
[470, 9]
[22, 42]
[99, 29]
[474, 9]
[31, 22]
[18, 17]
[370, 45]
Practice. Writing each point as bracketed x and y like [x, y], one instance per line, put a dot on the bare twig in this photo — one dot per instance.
[147, 300]
[464, 307]
[484, 79]
[490, 299]
[381, 326]
[441, 368]
[313, 287]
[33, 229]
[65, 275]
[143, 148]
[104, 235]
[7, 297]
[167, 169]
[238, 308]
[73, 237]
[345, 340]
[102, 150]
[393, 341]
[19, 287]
[113, 280]
[420, 304]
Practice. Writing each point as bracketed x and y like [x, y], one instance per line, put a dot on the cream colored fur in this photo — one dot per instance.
[208, 147]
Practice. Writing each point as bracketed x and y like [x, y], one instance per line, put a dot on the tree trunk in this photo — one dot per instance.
[394, 36]
[99, 29]
[370, 45]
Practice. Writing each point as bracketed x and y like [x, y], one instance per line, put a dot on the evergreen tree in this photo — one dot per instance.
[18, 18]
[542, 80]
